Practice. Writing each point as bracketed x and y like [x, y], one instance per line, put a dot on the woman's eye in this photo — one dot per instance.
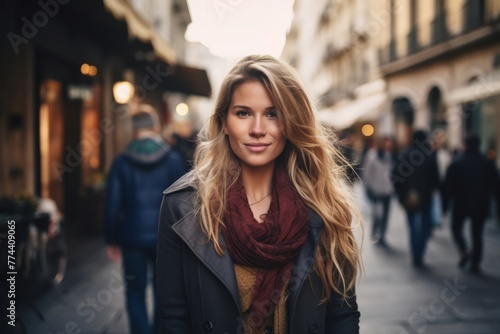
[242, 113]
[272, 113]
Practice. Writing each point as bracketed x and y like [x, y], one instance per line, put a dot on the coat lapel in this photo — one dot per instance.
[304, 260]
[221, 266]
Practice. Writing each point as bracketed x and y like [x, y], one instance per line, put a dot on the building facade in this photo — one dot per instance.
[332, 44]
[402, 65]
[441, 61]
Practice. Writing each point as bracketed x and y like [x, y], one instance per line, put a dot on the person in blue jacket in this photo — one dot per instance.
[134, 194]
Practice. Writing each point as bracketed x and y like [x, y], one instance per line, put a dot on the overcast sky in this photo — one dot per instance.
[236, 28]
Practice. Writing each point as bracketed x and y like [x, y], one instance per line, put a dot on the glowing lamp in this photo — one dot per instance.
[367, 130]
[182, 109]
[123, 91]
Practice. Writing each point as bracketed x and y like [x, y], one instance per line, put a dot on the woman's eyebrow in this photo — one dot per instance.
[240, 106]
[246, 107]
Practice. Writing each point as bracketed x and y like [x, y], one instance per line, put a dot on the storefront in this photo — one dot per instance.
[478, 105]
[60, 125]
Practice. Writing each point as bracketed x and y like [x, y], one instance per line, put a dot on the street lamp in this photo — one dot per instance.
[123, 91]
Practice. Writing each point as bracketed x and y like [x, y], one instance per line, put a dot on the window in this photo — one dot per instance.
[437, 109]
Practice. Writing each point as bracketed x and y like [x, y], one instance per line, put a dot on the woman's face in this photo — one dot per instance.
[252, 126]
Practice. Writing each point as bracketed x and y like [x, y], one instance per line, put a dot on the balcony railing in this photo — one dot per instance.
[439, 29]
[473, 13]
[413, 41]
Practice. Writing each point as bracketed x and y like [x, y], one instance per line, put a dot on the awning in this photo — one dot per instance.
[140, 29]
[367, 106]
[475, 92]
[181, 78]
[188, 80]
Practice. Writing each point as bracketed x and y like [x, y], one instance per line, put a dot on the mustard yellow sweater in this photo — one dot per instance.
[246, 277]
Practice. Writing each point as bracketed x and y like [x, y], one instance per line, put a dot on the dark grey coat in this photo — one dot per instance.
[197, 290]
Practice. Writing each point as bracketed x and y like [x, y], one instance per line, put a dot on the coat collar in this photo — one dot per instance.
[222, 267]
[185, 182]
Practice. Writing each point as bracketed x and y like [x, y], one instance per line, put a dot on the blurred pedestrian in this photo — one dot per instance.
[376, 177]
[443, 159]
[470, 182]
[135, 184]
[258, 237]
[415, 177]
[369, 152]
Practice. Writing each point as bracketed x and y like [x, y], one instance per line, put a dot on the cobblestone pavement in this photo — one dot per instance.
[393, 296]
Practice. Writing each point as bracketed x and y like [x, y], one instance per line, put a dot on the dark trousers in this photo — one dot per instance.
[419, 223]
[137, 263]
[477, 227]
[380, 215]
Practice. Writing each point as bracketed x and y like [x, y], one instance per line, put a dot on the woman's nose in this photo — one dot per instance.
[258, 128]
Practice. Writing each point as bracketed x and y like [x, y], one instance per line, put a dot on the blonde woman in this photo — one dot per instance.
[258, 237]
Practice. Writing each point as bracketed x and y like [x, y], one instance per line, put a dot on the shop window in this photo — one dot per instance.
[481, 117]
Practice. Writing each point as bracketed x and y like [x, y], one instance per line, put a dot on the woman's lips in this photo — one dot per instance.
[256, 148]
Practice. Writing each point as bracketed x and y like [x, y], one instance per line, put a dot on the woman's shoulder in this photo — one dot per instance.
[180, 196]
[178, 199]
[184, 184]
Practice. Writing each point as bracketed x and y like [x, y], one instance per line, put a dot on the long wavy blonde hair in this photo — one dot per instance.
[310, 158]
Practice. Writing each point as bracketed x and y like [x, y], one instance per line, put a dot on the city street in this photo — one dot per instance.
[104, 103]
[393, 296]
[396, 298]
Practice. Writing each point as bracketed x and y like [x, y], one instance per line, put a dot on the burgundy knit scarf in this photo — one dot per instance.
[270, 246]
